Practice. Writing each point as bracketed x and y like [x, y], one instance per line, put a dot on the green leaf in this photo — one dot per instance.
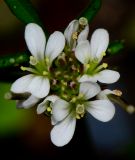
[24, 11]
[12, 120]
[91, 10]
[115, 47]
[13, 60]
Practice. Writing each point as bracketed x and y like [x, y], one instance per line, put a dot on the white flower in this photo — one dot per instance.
[37, 83]
[72, 35]
[46, 104]
[65, 113]
[91, 54]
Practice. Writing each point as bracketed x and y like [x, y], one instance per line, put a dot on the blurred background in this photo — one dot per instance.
[24, 134]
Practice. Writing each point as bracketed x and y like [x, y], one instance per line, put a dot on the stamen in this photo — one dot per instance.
[103, 54]
[81, 95]
[70, 59]
[117, 92]
[57, 73]
[75, 35]
[73, 100]
[87, 66]
[45, 73]
[105, 65]
[49, 109]
[80, 109]
[101, 67]
[33, 61]
[66, 76]
[47, 61]
[77, 116]
[64, 83]
[73, 67]
[29, 69]
[64, 96]
[83, 21]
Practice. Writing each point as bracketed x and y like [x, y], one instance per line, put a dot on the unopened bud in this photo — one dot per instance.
[83, 21]
[130, 109]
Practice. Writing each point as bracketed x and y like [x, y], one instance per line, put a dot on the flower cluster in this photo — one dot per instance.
[66, 76]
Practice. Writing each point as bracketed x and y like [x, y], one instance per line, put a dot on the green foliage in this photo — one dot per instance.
[11, 119]
[24, 11]
[91, 10]
[115, 47]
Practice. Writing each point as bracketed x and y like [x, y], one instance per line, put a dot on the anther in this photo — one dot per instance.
[103, 54]
[77, 116]
[73, 100]
[23, 68]
[117, 92]
[75, 35]
[105, 65]
[45, 73]
[33, 61]
[49, 109]
[80, 109]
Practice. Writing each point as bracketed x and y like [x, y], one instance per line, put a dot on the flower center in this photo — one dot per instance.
[80, 111]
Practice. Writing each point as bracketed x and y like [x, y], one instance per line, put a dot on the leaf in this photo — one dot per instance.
[91, 10]
[115, 47]
[24, 11]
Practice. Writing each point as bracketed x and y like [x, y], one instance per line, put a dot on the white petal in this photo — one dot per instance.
[42, 106]
[89, 89]
[55, 45]
[53, 121]
[103, 110]
[83, 35]
[30, 102]
[60, 110]
[103, 94]
[88, 78]
[72, 28]
[99, 43]
[82, 52]
[39, 86]
[35, 39]
[108, 76]
[21, 84]
[63, 132]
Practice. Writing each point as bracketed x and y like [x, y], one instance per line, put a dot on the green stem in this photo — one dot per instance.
[122, 103]
[91, 10]
[13, 60]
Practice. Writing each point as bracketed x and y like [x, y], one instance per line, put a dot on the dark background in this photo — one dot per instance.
[23, 134]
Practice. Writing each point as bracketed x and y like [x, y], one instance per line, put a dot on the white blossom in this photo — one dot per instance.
[65, 113]
[37, 83]
[90, 55]
[73, 36]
